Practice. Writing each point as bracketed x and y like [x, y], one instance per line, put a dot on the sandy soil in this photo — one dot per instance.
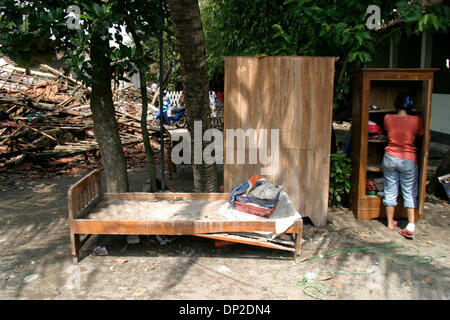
[348, 259]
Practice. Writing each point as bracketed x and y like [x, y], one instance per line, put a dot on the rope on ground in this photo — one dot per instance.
[317, 289]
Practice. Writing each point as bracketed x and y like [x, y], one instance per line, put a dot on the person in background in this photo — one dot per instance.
[181, 99]
[154, 87]
[400, 161]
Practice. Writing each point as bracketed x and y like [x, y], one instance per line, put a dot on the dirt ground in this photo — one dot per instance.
[348, 259]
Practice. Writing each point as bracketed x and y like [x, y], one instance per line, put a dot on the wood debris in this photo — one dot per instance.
[46, 122]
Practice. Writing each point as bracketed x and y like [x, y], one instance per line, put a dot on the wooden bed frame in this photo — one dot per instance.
[85, 194]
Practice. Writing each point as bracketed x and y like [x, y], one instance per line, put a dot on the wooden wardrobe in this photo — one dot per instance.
[379, 87]
[294, 95]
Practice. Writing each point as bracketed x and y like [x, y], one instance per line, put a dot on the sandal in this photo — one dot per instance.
[407, 233]
[395, 226]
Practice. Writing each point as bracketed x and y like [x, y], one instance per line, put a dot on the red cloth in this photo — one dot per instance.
[220, 96]
[402, 132]
[253, 180]
[374, 130]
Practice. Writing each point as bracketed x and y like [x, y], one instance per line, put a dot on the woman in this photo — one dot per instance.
[400, 161]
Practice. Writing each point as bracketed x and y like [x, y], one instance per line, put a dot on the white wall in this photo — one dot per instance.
[440, 113]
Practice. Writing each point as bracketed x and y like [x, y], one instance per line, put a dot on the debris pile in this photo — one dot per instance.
[46, 122]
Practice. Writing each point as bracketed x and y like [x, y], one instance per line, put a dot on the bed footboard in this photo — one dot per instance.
[82, 196]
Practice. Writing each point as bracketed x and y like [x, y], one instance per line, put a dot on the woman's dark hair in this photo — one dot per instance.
[404, 101]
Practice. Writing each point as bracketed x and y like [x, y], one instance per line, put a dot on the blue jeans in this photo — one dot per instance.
[400, 171]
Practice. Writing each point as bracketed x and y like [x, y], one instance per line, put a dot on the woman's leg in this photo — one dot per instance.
[390, 217]
[391, 184]
[411, 215]
[408, 182]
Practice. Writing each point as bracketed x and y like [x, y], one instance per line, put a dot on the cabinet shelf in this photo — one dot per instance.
[382, 111]
[390, 111]
[378, 140]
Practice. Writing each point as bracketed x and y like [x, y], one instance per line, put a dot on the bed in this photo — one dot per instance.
[92, 212]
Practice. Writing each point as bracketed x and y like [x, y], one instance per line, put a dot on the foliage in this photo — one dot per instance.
[30, 28]
[170, 59]
[340, 179]
[418, 17]
[312, 28]
[27, 24]
[148, 19]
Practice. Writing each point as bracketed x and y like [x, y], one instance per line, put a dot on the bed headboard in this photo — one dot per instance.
[83, 194]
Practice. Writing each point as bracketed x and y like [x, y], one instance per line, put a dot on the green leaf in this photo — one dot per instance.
[366, 57]
[352, 56]
[358, 38]
[420, 25]
[435, 21]
[86, 16]
[96, 7]
[290, 1]
[346, 37]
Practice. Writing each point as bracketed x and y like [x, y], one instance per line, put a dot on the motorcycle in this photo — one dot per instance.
[176, 115]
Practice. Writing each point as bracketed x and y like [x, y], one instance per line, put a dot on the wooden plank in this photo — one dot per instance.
[373, 213]
[356, 141]
[323, 120]
[427, 93]
[398, 77]
[298, 241]
[408, 74]
[366, 86]
[179, 227]
[41, 132]
[32, 72]
[245, 240]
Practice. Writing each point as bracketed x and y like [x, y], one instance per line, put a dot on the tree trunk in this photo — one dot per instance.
[188, 29]
[444, 168]
[145, 135]
[105, 125]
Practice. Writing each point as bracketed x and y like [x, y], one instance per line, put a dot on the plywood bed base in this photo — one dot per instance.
[86, 194]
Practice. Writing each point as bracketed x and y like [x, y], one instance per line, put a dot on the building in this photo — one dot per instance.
[427, 50]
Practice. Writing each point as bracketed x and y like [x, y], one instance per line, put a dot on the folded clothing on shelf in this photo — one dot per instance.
[375, 186]
[374, 130]
[370, 187]
[379, 184]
